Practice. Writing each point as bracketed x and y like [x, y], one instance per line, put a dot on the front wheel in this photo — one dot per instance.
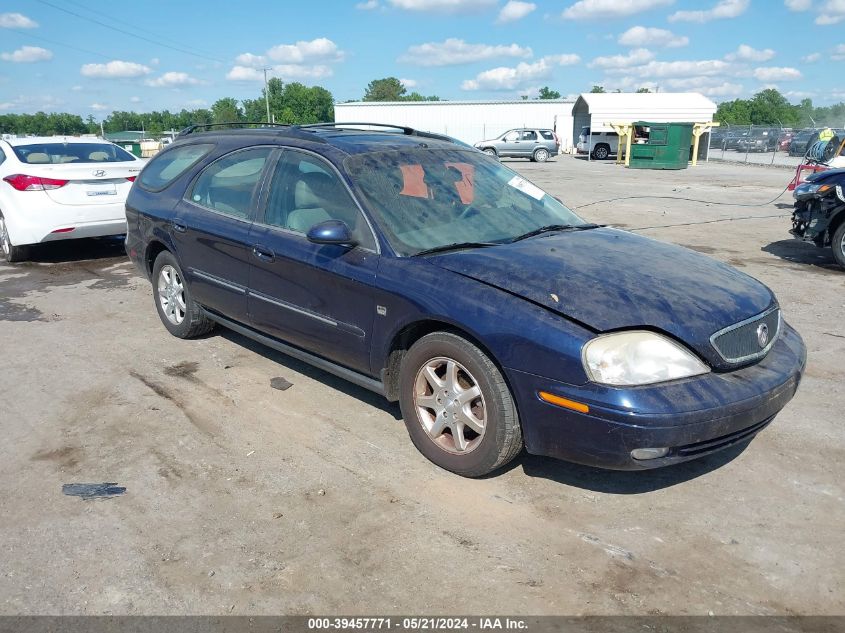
[490, 152]
[541, 155]
[10, 253]
[180, 314]
[457, 407]
[838, 245]
[601, 152]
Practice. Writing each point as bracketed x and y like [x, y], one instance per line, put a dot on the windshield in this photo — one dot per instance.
[57, 153]
[428, 198]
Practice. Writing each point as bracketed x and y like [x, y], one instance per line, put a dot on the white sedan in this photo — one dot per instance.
[59, 188]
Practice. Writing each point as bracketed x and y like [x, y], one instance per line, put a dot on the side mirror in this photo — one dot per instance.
[331, 232]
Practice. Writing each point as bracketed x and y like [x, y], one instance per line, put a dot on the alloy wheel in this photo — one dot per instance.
[171, 294]
[449, 405]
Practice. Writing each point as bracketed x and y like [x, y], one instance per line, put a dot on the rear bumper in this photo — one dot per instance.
[692, 418]
[39, 220]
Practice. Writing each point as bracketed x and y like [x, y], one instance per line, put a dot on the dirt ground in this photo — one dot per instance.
[241, 498]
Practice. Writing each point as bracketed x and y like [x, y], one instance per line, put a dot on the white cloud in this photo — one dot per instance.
[369, 5]
[838, 53]
[515, 10]
[636, 57]
[662, 70]
[115, 70]
[444, 6]
[135, 99]
[798, 5]
[812, 58]
[600, 9]
[320, 49]
[16, 21]
[27, 55]
[408, 83]
[99, 107]
[453, 52]
[774, 73]
[723, 9]
[748, 54]
[638, 36]
[798, 94]
[514, 78]
[711, 86]
[286, 72]
[197, 103]
[172, 80]
[76, 88]
[302, 60]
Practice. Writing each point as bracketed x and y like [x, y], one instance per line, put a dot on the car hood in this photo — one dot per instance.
[609, 279]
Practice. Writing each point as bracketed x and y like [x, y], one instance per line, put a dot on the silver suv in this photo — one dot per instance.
[536, 144]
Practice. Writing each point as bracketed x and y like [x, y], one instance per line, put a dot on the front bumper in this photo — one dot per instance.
[691, 417]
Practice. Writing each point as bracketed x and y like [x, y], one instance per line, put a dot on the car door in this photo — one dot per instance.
[318, 297]
[509, 144]
[528, 142]
[211, 229]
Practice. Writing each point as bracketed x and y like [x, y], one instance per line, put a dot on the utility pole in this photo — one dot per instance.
[267, 94]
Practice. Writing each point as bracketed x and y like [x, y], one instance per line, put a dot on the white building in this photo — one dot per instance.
[597, 110]
[468, 121]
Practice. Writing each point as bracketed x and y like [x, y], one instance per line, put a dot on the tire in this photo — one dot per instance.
[837, 243]
[541, 155]
[181, 315]
[491, 152]
[11, 254]
[601, 152]
[426, 384]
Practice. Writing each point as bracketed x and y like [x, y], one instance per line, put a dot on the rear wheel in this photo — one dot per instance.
[457, 407]
[838, 245]
[10, 253]
[178, 311]
[601, 152]
[541, 155]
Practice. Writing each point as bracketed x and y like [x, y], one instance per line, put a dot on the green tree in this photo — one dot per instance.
[597, 89]
[643, 91]
[387, 89]
[226, 110]
[548, 93]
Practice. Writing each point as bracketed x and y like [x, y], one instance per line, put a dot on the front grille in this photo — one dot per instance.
[722, 442]
[740, 342]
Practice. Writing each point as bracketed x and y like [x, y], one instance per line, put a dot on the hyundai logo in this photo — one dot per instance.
[763, 334]
[99, 173]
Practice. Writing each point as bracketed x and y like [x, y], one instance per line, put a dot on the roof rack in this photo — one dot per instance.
[290, 130]
[406, 130]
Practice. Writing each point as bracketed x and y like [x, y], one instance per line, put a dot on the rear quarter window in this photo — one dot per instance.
[547, 135]
[169, 165]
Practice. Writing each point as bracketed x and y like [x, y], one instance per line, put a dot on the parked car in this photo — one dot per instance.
[436, 276]
[536, 144]
[60, 188]
[802, 142]
[785, 140]
[600, 145]
[734, 138]
[758, 140]
[819, 212]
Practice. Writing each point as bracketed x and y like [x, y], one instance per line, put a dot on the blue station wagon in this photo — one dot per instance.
[427, 271]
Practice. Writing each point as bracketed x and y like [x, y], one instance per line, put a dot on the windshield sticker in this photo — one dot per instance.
[517, 182]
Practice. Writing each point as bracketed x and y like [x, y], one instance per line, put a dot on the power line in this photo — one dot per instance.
[129, 33]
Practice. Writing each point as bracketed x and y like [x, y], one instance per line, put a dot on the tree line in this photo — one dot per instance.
[295, 103]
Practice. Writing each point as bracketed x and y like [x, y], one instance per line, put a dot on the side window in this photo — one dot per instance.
[511, 136]
[168, 166]
[549, 136]
[227, 185]
[306, 191]
[529, 135]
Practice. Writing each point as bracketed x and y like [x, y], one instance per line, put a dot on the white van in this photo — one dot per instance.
[600, 144]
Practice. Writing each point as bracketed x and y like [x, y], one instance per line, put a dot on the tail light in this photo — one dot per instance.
[131, 178]
[557, 140]
[22, 182]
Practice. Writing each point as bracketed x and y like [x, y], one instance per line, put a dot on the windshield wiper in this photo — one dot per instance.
[549, 228]
[454, 247]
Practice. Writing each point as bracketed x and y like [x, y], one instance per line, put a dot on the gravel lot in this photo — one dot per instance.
[241, 498]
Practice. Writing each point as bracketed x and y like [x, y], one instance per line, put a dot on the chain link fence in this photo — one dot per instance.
[756, 143]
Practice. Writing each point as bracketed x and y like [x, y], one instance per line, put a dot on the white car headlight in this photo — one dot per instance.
[638, 358]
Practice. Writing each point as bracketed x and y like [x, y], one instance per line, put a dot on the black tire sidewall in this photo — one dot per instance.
[183, 329]
[484, 458]
[836, 244]
[540, 152]
[602, 149]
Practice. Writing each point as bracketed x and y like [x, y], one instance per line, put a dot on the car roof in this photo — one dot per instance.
[37, 140]
[347, 140]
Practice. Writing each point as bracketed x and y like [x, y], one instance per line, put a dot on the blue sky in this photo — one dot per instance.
[92, 57]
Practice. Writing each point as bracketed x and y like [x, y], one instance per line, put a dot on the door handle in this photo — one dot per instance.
[180, 228]
[263, 253]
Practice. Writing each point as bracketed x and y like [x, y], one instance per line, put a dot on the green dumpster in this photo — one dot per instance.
[661, 145]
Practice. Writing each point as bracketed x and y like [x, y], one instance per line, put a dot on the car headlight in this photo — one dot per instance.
[638, 358]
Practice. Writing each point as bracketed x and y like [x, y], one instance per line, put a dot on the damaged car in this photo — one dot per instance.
[819, 212]
[434, 275]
